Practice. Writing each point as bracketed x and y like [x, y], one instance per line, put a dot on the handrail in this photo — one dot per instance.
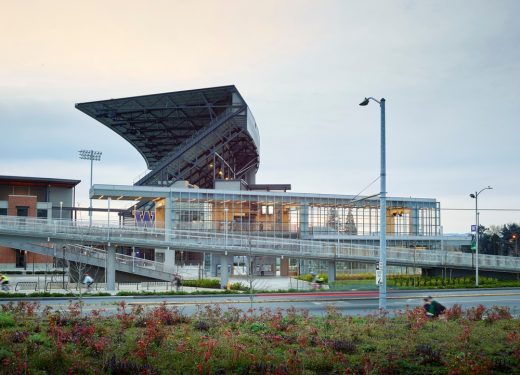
[218, 242]
[127, 260]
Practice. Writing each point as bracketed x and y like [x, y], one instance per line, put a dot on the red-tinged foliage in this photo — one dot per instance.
[416, 318]
[162, 340]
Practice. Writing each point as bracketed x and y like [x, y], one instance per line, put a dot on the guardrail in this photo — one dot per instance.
[217, 242]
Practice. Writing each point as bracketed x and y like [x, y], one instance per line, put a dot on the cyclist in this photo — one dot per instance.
[4, 280]
[88, 281]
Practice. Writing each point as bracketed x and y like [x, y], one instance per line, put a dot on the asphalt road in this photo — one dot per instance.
[348, 303]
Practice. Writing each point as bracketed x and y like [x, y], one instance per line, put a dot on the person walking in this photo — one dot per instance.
[177, 282]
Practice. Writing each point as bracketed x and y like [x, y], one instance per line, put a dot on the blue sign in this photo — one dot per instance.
[473, 228]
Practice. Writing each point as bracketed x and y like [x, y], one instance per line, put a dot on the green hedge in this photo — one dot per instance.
[414, 281]
[202, 283]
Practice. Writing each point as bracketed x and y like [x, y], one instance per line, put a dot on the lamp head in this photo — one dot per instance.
[472, 195]
[364, 102]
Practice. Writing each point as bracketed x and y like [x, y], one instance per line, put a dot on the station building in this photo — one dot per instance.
[202, 150]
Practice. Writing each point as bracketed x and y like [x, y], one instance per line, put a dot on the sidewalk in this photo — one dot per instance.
[36, 283]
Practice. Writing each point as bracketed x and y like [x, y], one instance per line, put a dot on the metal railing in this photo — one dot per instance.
[127, 262]
[217, 242]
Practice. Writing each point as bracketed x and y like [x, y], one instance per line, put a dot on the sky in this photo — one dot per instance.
[449, 71]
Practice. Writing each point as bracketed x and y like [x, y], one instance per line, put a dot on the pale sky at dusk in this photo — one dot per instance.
[449, 70]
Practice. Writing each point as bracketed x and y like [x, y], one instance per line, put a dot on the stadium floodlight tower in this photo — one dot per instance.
[90, 155]
[382, 199]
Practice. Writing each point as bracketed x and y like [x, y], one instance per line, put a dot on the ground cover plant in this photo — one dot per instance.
[162, 340]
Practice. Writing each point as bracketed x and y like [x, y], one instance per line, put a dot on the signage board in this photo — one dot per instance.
[379, 277]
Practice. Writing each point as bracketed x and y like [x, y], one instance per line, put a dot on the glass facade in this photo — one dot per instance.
[410, 222]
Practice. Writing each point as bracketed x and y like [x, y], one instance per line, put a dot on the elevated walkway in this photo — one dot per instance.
[97, 257]
[19, 232]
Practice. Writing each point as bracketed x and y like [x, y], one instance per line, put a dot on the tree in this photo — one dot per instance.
[497, 240]
[510, 234]
[77, 269]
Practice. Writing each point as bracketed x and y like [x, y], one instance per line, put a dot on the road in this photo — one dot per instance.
[348, 303]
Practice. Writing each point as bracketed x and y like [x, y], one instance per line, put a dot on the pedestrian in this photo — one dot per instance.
[433, 308]
[315, 283]
[177, 282]
[4, 280]
[88, 281]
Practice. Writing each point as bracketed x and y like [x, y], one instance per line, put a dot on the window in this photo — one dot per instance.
[3, 211]
[22, 211]
[267, 210]
[41, 213]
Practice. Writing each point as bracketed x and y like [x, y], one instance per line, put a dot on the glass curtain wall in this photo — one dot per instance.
[327, 218]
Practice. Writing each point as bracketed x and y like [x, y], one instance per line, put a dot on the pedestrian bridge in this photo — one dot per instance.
[19, 231]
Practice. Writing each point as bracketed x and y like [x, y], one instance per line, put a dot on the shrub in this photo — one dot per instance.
[237, 286]
[202, 325]
[476, 313]
[321, 276]
[427, 353]
[123, 367]
[343, 346]
[6, 320]
[40, 338]
[202, 283]
[357, 276]
[453, 313]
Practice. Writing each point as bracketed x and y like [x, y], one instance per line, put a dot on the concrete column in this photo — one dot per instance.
[332, 271]
[304, 221]
[168, 218]
[215, 260]
[111, 268]
[224, 276]
[169, 257]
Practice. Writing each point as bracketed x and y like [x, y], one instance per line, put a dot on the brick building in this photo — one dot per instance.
[49, 198]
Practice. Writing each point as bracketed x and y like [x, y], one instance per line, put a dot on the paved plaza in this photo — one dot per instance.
[59, 284]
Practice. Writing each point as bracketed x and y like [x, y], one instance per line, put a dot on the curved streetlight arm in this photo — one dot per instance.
[486, 188]
[365, 102]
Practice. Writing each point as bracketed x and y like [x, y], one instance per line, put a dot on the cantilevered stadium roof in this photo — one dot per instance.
[195, 135]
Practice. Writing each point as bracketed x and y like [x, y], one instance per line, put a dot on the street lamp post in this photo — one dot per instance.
[475, 196]
[90, 155]
[61, 210]
[382, 200]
